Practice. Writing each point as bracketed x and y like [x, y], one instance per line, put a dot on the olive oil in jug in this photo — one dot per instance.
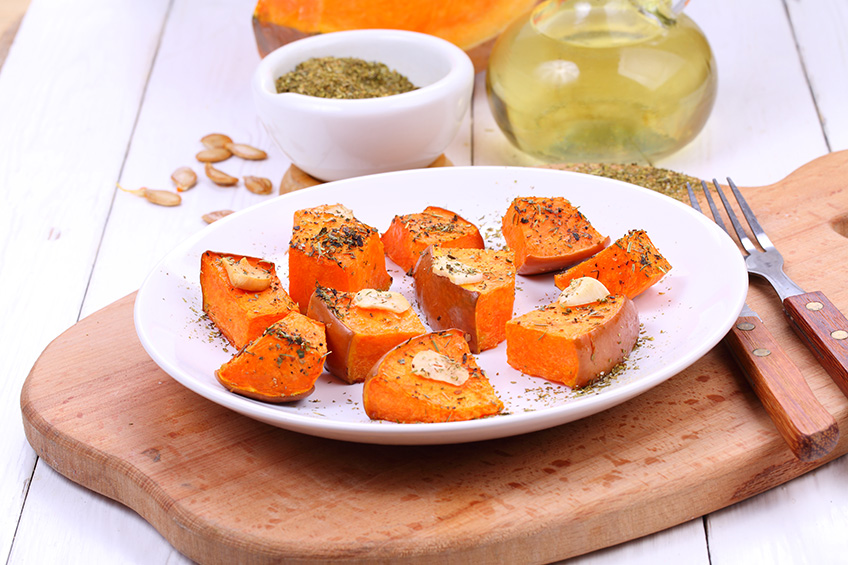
[601, 81]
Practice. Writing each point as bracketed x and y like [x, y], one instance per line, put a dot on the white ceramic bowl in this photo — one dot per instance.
[334, 139]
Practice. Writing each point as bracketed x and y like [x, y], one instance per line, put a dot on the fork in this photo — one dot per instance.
[822, 327]
[805, 425]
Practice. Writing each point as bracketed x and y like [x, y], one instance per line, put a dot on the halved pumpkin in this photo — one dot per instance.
[472, 25]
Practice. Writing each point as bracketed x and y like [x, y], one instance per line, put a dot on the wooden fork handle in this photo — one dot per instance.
[825, 330]
[807, 427]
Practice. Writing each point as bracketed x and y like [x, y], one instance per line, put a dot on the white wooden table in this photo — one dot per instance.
[96, 92]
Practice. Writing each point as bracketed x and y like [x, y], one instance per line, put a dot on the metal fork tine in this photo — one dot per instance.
[746, 242]
[759, 232]
[716, 215]
[692, 200]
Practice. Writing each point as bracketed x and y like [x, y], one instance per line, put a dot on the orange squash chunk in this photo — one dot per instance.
[480, 309]
[548, 234]
[281, 365]
[629, 266]
[573, 345]
[331, 248]
[241, 315]
[409, 235]
[394, 391]
[358, 337]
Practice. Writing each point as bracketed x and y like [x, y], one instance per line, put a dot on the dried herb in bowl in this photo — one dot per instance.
[343, 77]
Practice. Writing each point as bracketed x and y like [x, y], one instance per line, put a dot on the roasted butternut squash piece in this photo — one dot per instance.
[331, 248]
[573, 345]
[281, 365]
[361, 327]
[469, 289]
[548, 234]
[429, 378]
[409, 235]
[242, 314]
[629, 266]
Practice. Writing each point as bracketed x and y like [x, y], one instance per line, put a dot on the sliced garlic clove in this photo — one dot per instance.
[582, 290]
[220, 177]
[258, 185]
[185, 178]
[370, 298]
[246, 151]
[438, 367]
[456, 271]
[336, 210]
[245, 276]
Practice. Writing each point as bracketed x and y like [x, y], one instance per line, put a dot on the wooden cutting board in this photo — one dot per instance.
[223, 488]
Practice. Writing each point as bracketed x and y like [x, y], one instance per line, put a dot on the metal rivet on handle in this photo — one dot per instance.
[745, 326]
[814, 306]
[761, 352]
[839, 334]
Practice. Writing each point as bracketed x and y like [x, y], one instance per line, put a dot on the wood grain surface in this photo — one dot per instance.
[808, 428]
[222, 487]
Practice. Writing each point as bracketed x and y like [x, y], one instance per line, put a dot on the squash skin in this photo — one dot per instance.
[357, 338]
[472, 25]
[358, 262]
[629, 266]
[573, 345]
[392, 392]
[281, 365]
[548, 234]
[241, 315]
[481, 310]
[409, 235]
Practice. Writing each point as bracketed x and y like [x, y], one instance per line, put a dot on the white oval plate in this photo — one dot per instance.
[683, 316]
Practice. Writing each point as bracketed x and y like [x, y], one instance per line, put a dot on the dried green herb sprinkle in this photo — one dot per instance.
[664, 181]
[344, 78]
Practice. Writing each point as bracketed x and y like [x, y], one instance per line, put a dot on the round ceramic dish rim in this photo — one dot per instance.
[443, 433]
[458, 62]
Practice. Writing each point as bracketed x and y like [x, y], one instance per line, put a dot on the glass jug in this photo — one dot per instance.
[615, 81]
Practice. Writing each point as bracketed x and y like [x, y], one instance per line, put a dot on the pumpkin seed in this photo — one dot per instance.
[184, 178]
[246, 151]
[258, 185]
[296, 179]
[216, 215]
[214, 155]
[214, 140]
[220, 177]
[158, 197]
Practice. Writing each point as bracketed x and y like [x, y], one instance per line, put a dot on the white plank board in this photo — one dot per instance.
[66, 523]
[764, 125]
[801, 522]
[58, 84]
[820, 29]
